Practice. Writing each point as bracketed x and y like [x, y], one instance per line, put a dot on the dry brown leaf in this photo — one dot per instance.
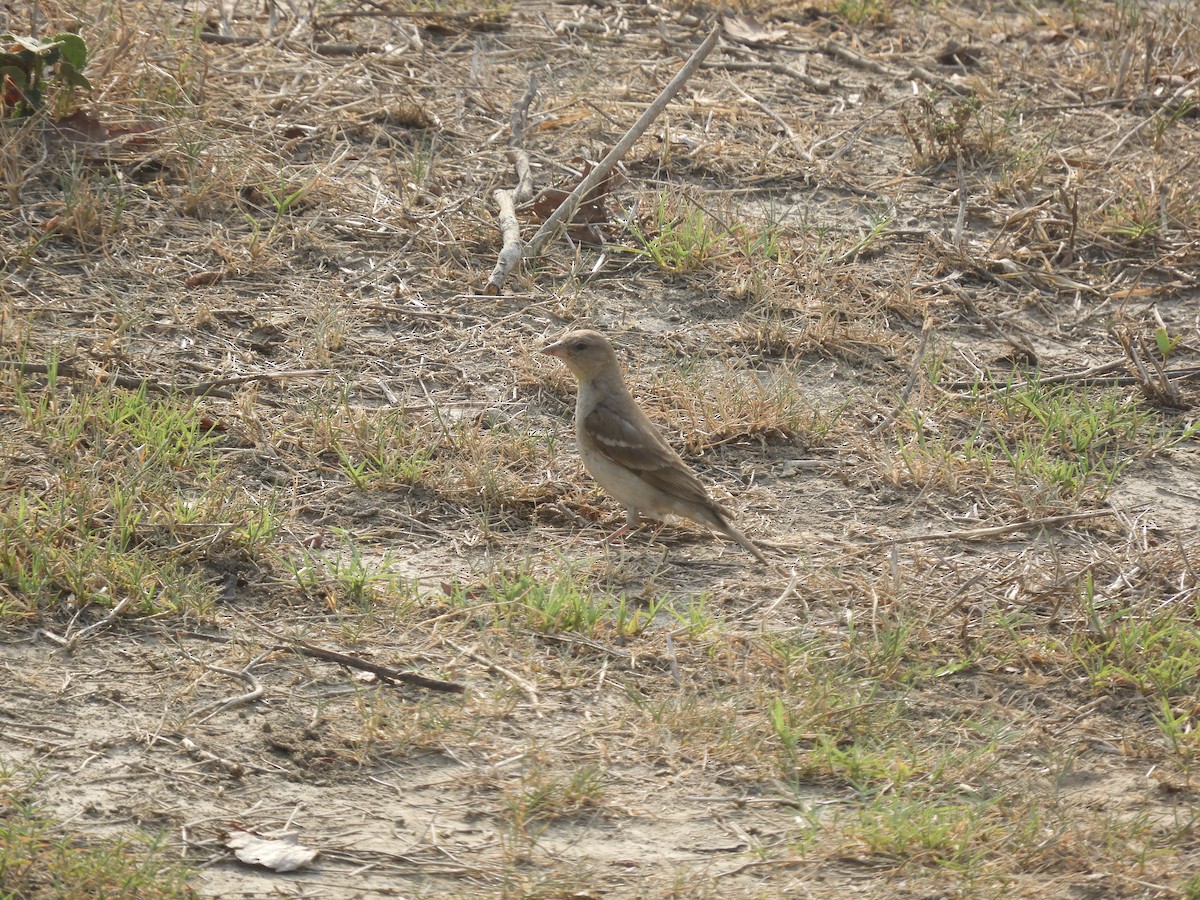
[592, 211]
[81, 128]
[203, 278]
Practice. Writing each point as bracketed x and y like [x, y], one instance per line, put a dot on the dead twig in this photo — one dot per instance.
[247, 675]
[526, 688]
[74, 639]
[1169, 104]
[1156, 387]
[913, 371]
[229, 766]
[787, 592]
[777, 68]
[1085, 376]
[203, 388]
[516, 143]
[303, 648]
[585, 642]
[506, 200]
[566, 210]
[1094, 375]
[774, 116]
[978, 534]
[510, 250]
[919, 73]
[1007, 272]
[323, 49]
[51, 636]
[672, 662]
[197, 389]
[383, 672]
[961, 218]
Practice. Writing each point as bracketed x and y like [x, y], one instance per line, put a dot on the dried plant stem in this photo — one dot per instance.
[506, 200]
[382, 672]
[73, 640]
[840, 51]
[516, 143]
[132, 382]
[914, 371]
[303, 648]
[1157, 386]
[510, 250]
[526, 688]
[976, 534]
[231, 767]
[816, 84]
[566, 210]
[1102, 374]
[246, 675]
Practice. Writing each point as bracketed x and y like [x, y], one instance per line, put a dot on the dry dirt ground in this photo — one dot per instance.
[912, 285]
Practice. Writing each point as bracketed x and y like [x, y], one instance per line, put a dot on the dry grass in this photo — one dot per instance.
[912, 285]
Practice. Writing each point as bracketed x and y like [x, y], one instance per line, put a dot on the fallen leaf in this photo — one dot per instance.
[746, 30]
[283, 853]
[81, 128]
[589, 235]
[203, 278]
[208, 423]
[1049, 36]
[955, 54]
[592, 211]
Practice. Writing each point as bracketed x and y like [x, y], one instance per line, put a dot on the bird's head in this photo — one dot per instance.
[588, 354]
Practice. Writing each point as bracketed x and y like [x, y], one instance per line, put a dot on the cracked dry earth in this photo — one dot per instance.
[645, 764]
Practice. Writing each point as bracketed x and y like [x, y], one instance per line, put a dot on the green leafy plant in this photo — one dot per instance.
[1166, 342]
[26, 64]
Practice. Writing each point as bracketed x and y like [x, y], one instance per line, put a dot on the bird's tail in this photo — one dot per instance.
[731, 532]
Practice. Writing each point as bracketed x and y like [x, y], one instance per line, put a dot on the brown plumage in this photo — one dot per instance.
[625, 452]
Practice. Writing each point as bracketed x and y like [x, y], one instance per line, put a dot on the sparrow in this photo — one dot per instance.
[625, 452]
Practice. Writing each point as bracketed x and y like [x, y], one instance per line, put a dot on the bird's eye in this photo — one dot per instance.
[582, 345]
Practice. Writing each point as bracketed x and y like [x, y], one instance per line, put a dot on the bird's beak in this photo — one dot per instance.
[555, 349]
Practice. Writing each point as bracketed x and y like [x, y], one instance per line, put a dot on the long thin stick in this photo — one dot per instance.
[976, 534]
[516, 144]
[506, 200]
[913, 371]
[526, 688]
[303, 648]
[566, 209]
[386, 673]
[131, 382]
[1094, 375]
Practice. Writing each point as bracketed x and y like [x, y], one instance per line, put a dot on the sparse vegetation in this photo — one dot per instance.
[125, 494]
[917, 301]
[42, 858]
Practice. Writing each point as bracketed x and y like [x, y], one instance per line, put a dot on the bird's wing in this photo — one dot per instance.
[637, 447]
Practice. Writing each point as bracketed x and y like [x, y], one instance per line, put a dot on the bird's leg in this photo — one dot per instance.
[631, 520]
